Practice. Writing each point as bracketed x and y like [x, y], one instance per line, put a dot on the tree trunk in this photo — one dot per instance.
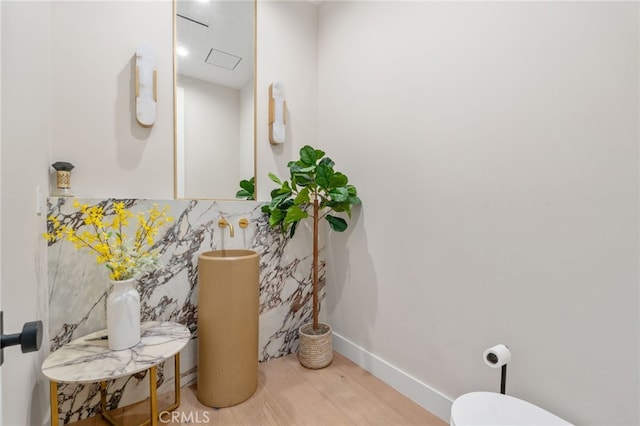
[315, 263]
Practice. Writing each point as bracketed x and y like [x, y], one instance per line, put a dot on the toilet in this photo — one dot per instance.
[489, 408]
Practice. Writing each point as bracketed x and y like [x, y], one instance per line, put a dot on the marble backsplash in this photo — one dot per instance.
[78, 288]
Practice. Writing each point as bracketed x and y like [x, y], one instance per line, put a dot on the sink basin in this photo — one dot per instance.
[228, 308]
[232, 254]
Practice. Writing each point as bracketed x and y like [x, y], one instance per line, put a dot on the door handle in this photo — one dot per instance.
[30, 339]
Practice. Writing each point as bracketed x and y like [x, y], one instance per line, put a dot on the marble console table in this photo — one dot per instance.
[88, 359]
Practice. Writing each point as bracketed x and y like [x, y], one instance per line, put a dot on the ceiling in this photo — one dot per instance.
[218, 36]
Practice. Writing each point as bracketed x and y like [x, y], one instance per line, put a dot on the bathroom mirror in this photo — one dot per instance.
[214, 97]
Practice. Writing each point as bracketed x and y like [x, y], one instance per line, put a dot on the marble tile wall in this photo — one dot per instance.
[78, 288]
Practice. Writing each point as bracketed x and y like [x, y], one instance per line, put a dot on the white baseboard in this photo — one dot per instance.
[422, 394]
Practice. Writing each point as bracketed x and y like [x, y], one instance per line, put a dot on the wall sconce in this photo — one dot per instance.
[63, 179]
[277, 119]
[146, 86]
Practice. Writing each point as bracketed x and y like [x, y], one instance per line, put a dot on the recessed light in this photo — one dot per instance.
[182, 51]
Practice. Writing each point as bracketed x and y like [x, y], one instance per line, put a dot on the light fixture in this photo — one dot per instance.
[277, 107]
[63, 179]
[146, 86]
[182, 51]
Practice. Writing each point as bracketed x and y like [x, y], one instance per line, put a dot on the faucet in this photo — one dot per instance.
[222, 223]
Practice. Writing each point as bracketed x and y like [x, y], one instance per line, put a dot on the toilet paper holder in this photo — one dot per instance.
[499, 356]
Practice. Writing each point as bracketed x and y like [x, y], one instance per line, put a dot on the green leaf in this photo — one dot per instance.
[323, 175]
[283, 190]
[302, 197]
[354, 200]
[295, 214]
[353, 195]
[247, 189]
[286, 204]
[303, 179]
[339, 194]
[295, 167]
[327, 162]
[338, 207]
[276, 201]
[338, 224]
[347, 209]
[247, 185]
[308, 155]
[294, 226]
[338, 179]
[244, 194]
[276, 217]
[275, 178]
[319, 154]
[341, 207]
[304, 174]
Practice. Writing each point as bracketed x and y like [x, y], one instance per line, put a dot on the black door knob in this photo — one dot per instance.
[30, 339]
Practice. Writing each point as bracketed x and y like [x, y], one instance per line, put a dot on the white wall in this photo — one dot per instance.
[495, 147]
[26, 136]
[94, 125]
[247, 132]
[287, 52]
[212, 128]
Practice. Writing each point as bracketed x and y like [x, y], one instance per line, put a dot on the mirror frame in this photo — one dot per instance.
[255, 108]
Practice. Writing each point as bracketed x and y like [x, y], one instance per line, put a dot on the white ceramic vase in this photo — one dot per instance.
[123, 315]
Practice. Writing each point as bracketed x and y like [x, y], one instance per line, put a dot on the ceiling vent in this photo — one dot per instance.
[222, 59]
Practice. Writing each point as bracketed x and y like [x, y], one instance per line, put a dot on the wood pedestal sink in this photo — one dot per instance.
[228, 306]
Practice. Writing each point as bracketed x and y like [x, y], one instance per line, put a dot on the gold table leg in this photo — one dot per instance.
[53, 396]
[153, 397]
[103, 404]
[176, 382]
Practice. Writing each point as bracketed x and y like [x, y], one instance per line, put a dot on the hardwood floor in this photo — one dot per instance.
[289, 394]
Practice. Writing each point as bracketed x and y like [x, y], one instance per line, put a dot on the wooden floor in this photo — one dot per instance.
[289, 394]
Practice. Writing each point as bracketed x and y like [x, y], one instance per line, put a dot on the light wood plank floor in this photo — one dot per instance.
[289, 394]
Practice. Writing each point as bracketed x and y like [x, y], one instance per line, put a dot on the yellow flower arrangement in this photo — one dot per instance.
[124, 257]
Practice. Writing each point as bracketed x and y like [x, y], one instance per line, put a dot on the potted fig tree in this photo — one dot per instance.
[314, 190]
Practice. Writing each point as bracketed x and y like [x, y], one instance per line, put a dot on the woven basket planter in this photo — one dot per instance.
[316, 346]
